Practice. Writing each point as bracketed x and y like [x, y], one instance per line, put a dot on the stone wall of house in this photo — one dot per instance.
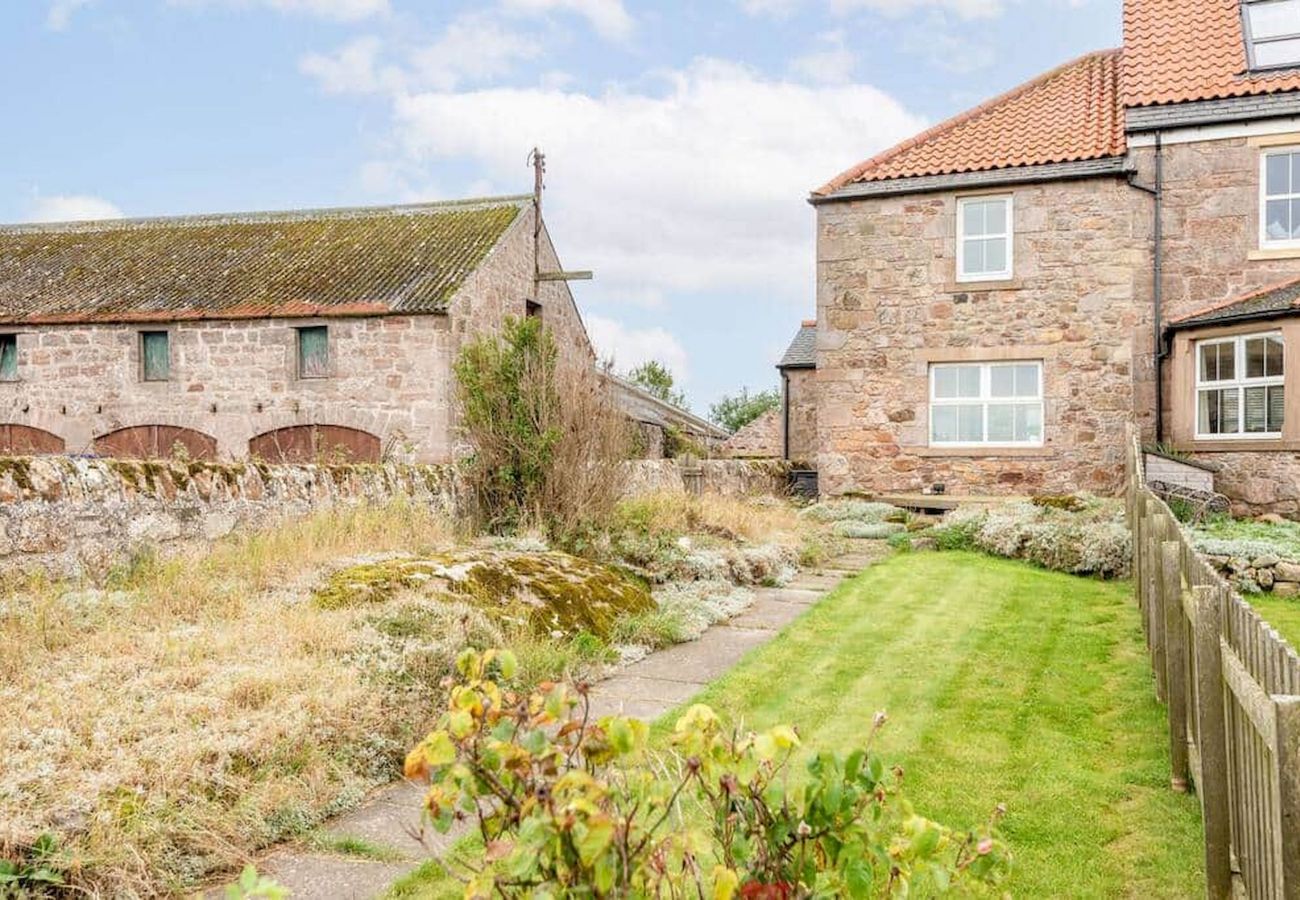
[888, 305]
[1258, 482]
[760, 439]
[74, 516]
[801, 403]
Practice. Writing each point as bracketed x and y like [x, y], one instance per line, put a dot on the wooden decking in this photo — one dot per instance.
[945, 502]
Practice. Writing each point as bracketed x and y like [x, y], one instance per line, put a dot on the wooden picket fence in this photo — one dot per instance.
[1231, 685]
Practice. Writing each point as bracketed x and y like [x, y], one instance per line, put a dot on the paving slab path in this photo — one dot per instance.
[390, 818]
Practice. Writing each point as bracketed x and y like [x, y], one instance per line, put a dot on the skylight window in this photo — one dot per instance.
[1272, 33]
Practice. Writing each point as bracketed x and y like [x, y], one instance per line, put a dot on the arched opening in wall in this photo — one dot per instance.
[156, 442]
[315, 443]
[23, 440]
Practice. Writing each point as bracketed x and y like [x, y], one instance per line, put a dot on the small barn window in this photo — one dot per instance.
[155, 356]
[8, 357]
[313, 352]
[984, 238]
[1272, 33]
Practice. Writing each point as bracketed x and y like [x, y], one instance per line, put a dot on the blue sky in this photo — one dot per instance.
[682, 138]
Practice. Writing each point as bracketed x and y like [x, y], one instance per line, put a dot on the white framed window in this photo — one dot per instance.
[1240, 391]
[996, 404]
[984, 238]
[1272, 30]
[1279, 197]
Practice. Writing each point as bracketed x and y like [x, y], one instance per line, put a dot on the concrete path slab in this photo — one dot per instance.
[646, 689]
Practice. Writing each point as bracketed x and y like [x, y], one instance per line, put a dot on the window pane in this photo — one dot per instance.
[1295, 218]
[1218, 411]
[1255, 350]
[1277, 53]
[1002, 423]
[945, 382]
[8, 357]
[1002, 381]
[1273, 19]
[1029, 424]
[1276, 405]
[313, 352]
[973, 258]
[943, 429]
[1295, 168]
[1027, 381]
[1256, 410]
[995, 217]
[970, 423]
[1218, 361]
[156, 355]
[972, 219]
[1277, 220]
[1278, 170]
[995, 255]
[1275, 360]
[968, 381]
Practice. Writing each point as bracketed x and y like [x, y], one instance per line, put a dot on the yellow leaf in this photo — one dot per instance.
[725, 882]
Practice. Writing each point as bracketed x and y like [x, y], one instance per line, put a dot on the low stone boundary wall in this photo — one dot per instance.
[1266, 573]
[72, 515]
[729, 477]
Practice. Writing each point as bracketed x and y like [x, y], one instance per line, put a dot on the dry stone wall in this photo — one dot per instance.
[78, 516]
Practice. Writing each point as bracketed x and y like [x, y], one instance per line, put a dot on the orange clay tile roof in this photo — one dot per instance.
[1070, 114]
[345, 262]
[1180, 50]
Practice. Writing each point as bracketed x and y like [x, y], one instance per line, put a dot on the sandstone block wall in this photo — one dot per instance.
[74, 516]
[728, 477]
[801, 400]
[888, 305]
[760, 439]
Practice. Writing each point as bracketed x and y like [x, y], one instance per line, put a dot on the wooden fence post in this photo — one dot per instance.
[1286, 760]
[1156, 614]
[1175, 632]
[1211, 730]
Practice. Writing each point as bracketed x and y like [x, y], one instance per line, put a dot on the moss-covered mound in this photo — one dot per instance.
[554, 593]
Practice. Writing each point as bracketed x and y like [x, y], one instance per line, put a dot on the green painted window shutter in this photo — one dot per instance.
[313, 352]
[156, 352]
[8, 357]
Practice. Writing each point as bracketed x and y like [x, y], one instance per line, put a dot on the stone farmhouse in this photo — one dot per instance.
[1117, 240]
[288, 337]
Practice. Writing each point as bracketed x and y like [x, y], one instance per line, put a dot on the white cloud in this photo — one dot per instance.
[609, 18]
[967, 9]
[630, 347]
[339, 10]
[832, 63]
[71, 208]
[473, 48]
[350, 70]
[697, 186]
[60, 13]
[777, 9]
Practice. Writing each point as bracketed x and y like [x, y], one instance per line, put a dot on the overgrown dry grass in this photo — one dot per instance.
[190, 710]
[170, 722]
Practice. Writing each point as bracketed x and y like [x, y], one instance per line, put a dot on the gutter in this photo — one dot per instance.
[785, 415]
[1157, 281]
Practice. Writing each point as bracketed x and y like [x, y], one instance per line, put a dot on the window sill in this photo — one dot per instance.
[979, 287]
[1243, 445]
[1274, 253]
[983, 452]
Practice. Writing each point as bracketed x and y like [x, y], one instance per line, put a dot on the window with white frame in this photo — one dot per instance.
[1279, 206]
[986, 404]
[1272, 33]
[1239, 386]
[984, 238]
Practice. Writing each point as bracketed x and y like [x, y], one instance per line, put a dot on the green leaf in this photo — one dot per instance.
[592, 838]
[508, 664]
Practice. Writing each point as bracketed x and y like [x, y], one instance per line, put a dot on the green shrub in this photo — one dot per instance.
[901, 542]
[718, 817]
[852, 528]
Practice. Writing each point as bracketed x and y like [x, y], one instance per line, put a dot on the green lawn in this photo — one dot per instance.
[1283, 613]
[1003, 683]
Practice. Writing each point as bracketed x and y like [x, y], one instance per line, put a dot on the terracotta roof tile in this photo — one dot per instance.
[405, 259]
[1181, 50]
[1071, 113]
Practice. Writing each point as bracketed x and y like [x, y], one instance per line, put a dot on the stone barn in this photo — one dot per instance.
[288, 337]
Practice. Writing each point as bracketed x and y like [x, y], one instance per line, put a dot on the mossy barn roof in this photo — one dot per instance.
[369, 261]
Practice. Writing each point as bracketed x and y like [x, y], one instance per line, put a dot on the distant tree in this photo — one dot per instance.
[657, 379]
[735, 412]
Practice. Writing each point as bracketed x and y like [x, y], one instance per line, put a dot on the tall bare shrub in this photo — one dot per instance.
[548, 438]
